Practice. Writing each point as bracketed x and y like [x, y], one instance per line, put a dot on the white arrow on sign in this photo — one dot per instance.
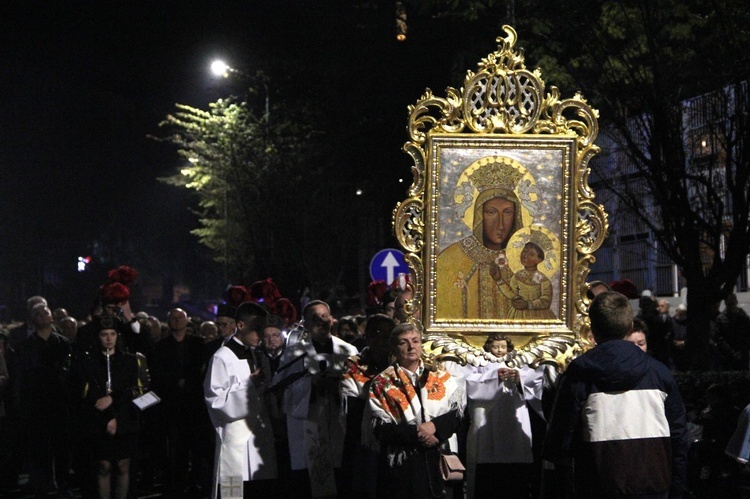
[390, 263]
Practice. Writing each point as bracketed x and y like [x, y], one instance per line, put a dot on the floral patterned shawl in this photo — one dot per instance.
[394, 399]
[356, 379]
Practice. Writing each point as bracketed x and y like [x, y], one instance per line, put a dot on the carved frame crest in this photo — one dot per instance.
[504, 141]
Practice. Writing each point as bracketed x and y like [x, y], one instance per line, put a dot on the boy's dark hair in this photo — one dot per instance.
[379, 325]
[248, 310]
[611, 317]
[639, 325]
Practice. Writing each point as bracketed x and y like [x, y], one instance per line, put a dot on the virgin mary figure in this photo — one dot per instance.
[468, 270]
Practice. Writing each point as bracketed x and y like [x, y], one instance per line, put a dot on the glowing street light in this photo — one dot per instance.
[220, 68]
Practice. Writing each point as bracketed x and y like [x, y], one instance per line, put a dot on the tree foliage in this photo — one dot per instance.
[643, 63]
[252, 178]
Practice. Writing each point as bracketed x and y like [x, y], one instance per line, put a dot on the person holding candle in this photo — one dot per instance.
[110, 380]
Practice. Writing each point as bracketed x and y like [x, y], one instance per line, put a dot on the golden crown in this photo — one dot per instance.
[541, 239]
[498, 172]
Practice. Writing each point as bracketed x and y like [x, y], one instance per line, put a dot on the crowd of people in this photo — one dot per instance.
[262, 403]
[666, 334]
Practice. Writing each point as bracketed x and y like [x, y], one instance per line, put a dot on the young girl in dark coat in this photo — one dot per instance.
[111, 379]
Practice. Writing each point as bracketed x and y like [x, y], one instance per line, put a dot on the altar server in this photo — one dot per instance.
[233, 389]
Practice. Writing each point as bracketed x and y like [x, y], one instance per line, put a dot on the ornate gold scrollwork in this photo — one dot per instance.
[504, 99]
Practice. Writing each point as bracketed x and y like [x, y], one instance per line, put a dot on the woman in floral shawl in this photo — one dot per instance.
[415, 412]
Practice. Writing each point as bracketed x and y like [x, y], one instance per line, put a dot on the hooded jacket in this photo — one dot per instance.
[619, 415]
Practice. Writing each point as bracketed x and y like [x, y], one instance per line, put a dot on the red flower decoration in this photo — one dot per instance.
[123, 274]
[436, 387]
[114, 292]
[359, 377]
[397, 401]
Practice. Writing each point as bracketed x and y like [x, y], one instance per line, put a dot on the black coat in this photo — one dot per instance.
[39, 376]
[177, 370]
[126, 386]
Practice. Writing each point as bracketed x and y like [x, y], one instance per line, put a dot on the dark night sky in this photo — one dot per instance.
[82, 84]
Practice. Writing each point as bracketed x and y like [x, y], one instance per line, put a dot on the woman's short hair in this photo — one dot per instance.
[398, 331]
[498, 337]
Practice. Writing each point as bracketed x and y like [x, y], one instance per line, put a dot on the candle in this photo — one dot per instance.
[109, 376]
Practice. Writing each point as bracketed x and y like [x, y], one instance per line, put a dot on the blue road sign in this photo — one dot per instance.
[387, 264]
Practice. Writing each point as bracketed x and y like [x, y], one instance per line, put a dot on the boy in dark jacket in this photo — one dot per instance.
[618, 418]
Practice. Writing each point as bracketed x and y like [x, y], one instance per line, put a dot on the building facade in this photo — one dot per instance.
[632, 250]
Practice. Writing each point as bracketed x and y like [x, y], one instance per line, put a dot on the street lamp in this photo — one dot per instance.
[221, 68]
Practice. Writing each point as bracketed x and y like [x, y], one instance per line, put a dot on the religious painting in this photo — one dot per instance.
[498, 207]
[500, 223]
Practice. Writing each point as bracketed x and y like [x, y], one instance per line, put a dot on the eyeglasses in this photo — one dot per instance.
[224, 324]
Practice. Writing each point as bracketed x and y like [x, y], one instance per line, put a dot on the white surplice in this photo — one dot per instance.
[244, 443]
[500, 430]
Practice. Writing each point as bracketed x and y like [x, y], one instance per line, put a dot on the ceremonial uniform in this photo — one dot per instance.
[126, 384]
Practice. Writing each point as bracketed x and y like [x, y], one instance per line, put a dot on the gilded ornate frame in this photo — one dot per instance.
[500, 133]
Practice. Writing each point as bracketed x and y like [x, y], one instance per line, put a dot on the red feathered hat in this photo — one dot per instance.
[375, 292]
[117, 290]
[285, 309]
[264, 291]
[114, 292]
[123, 274]
[236, 295]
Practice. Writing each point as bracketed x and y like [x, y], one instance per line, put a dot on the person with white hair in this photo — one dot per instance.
[680, 325]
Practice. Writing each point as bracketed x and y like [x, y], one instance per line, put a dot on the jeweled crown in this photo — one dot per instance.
[496, 174]
[541, 239]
